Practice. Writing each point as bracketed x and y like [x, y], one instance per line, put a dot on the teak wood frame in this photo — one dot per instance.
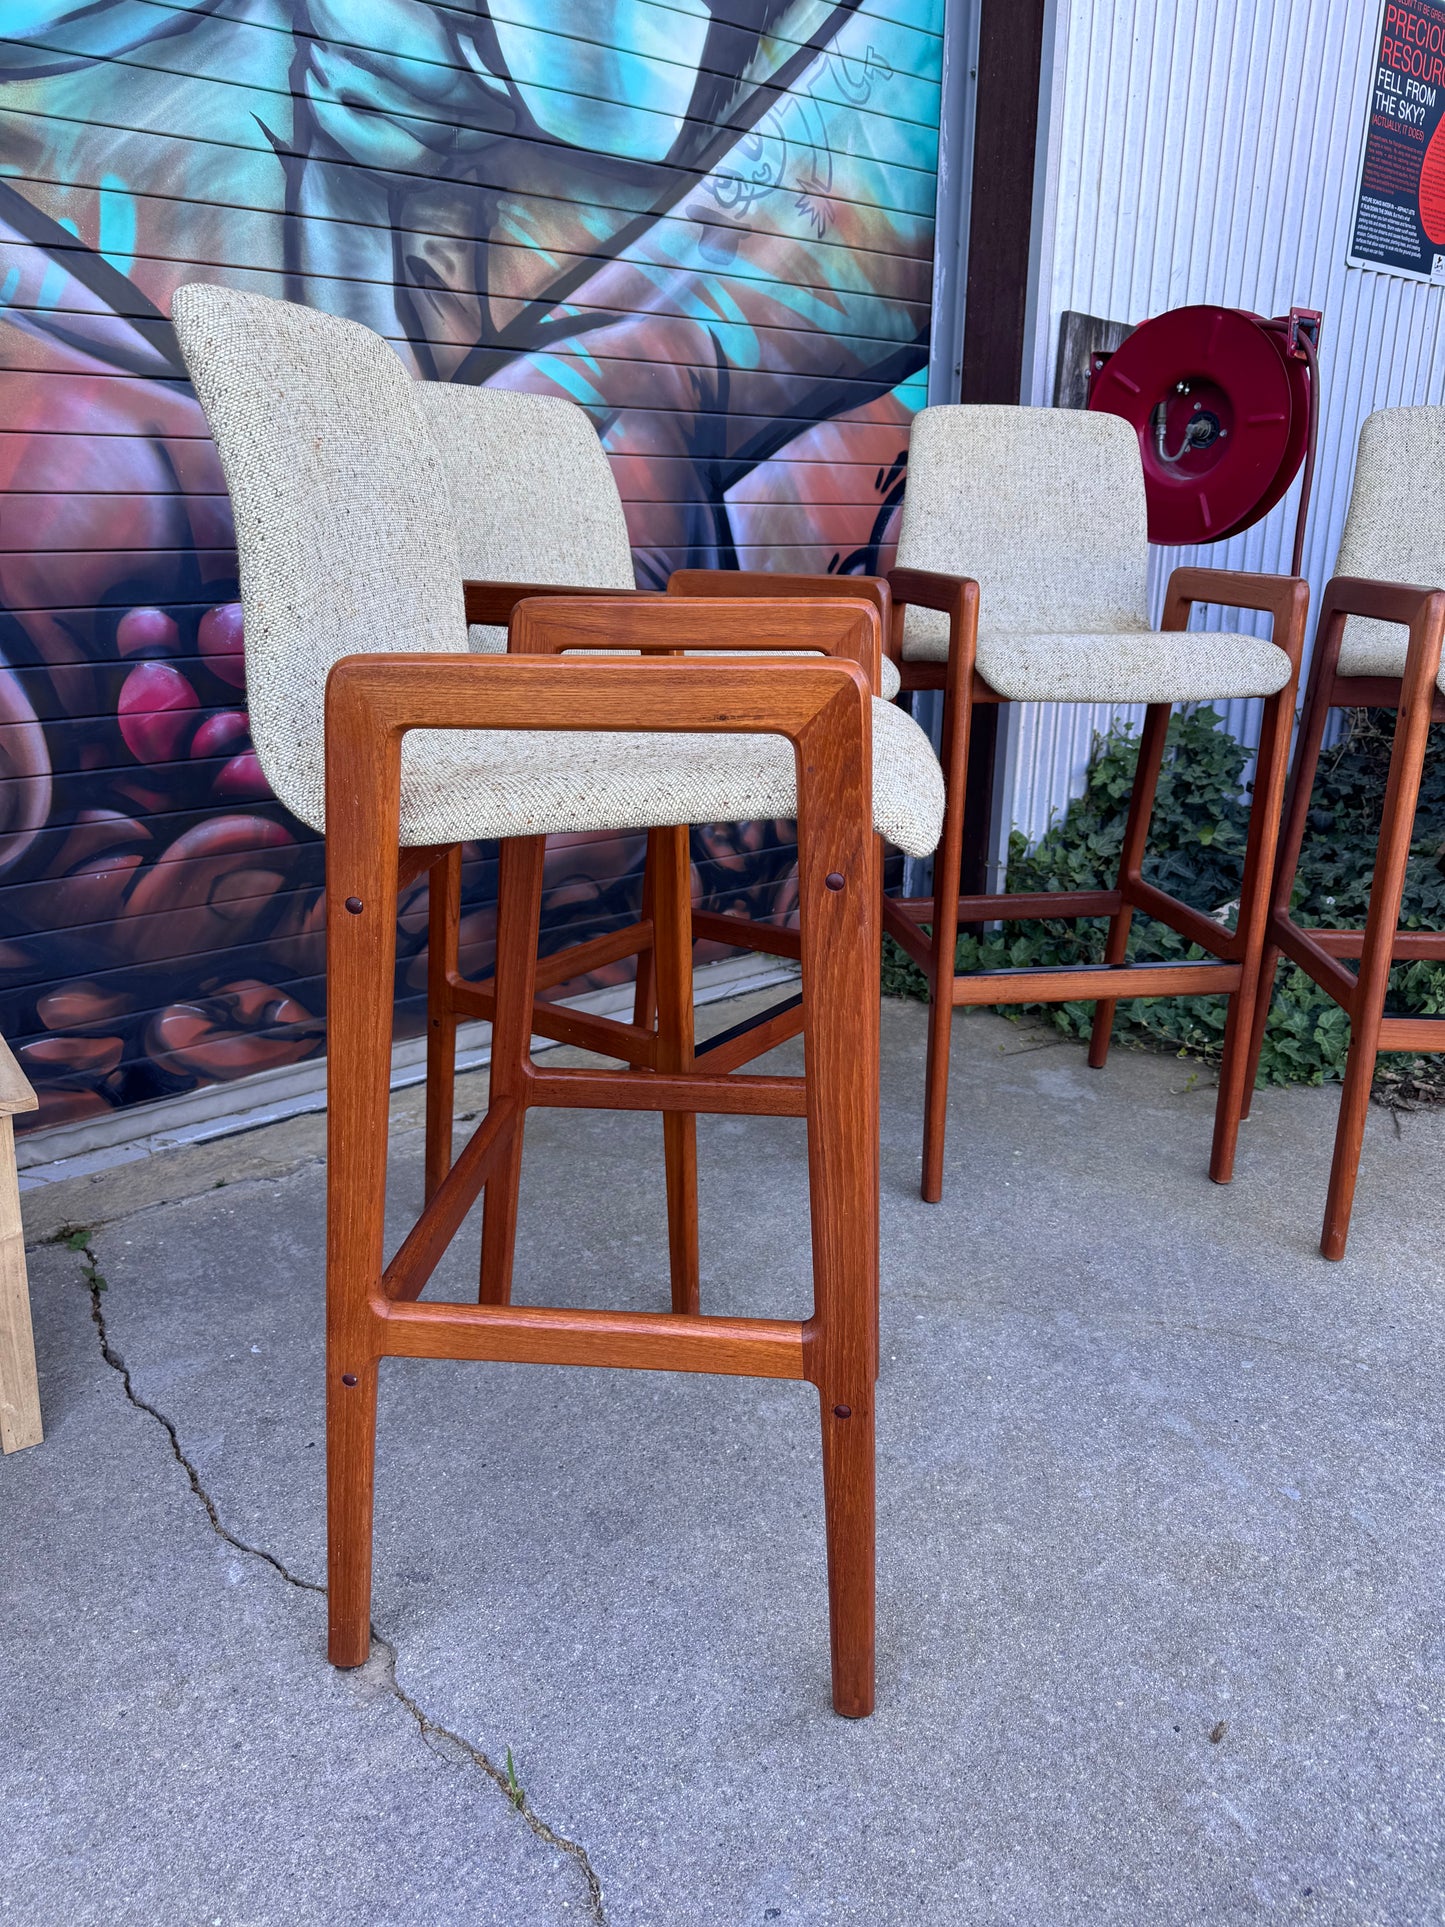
[19, 1388]
[1319, 953]
[823, 709]
[927, 927]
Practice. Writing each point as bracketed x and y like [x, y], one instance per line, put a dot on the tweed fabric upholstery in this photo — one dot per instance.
[1152, 666]
[457, 784]
[1395, 529]
[346, 531]
[534, 496]
[335, 496]
[1045, 508]
[531, 489]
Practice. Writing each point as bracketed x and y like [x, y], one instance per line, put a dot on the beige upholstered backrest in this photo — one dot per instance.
[532, 490]
[1043, 506]
[1395, 530]
[343, 522]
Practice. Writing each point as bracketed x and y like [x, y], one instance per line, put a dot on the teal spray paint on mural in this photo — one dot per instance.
[117, 224]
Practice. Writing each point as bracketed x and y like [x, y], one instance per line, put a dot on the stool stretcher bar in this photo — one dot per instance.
[651, 1341]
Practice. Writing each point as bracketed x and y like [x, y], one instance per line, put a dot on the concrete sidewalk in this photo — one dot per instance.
[1160, 1559]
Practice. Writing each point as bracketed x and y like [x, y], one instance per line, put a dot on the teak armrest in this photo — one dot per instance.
[768, 582]
[371, 699]
[1420, 610]
[952, 595]
[849, 630]
[1354, 595]
[931, 588]
[1284, 597]
[492, 603]
[811, 588]
[957, 597]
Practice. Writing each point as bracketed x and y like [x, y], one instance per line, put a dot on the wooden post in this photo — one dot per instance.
[19, 1392]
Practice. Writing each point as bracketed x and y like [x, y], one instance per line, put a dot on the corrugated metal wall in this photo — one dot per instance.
[1206, 150]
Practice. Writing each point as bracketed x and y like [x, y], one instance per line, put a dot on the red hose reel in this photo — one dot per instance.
[1225, 405]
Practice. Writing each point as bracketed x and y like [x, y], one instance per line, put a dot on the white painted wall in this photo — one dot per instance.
[1206, 150]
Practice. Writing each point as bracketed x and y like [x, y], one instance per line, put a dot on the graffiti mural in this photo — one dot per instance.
[707, 221]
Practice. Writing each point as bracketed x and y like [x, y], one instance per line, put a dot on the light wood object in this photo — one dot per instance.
[19, 1392]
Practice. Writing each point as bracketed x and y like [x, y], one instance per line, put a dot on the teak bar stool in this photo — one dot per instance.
[351, 580]
[1023, 577]
[538, 512]
[1377, 646]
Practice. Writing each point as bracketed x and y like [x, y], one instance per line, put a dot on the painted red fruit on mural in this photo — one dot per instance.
[240, 780]
[74, 1006]
[214, 886]
[157, 712]
[239, 1028]
[97, 1056]
[147, 632]
[226, 733]
[223, 643]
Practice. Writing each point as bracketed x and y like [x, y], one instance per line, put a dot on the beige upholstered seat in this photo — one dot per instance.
[1395, 530]
[1045, 508]
[349, 544]
[534, 496]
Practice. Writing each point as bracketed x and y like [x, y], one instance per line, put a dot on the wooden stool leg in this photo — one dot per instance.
[1350, 1131]
[943, 956]
[1238, 1066]
[360, 972]
[19, 1391]
[850, 1506]
[444, 916]
[644, 994]
[1131, 863]
[840, 978]
[1397, 823]
[1259, 1022]
[1291, 842]
[351, 1480]
[672, 951]
[519, 915]
[1253, 929]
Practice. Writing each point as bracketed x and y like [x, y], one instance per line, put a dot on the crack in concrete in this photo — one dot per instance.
[431, 1730]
